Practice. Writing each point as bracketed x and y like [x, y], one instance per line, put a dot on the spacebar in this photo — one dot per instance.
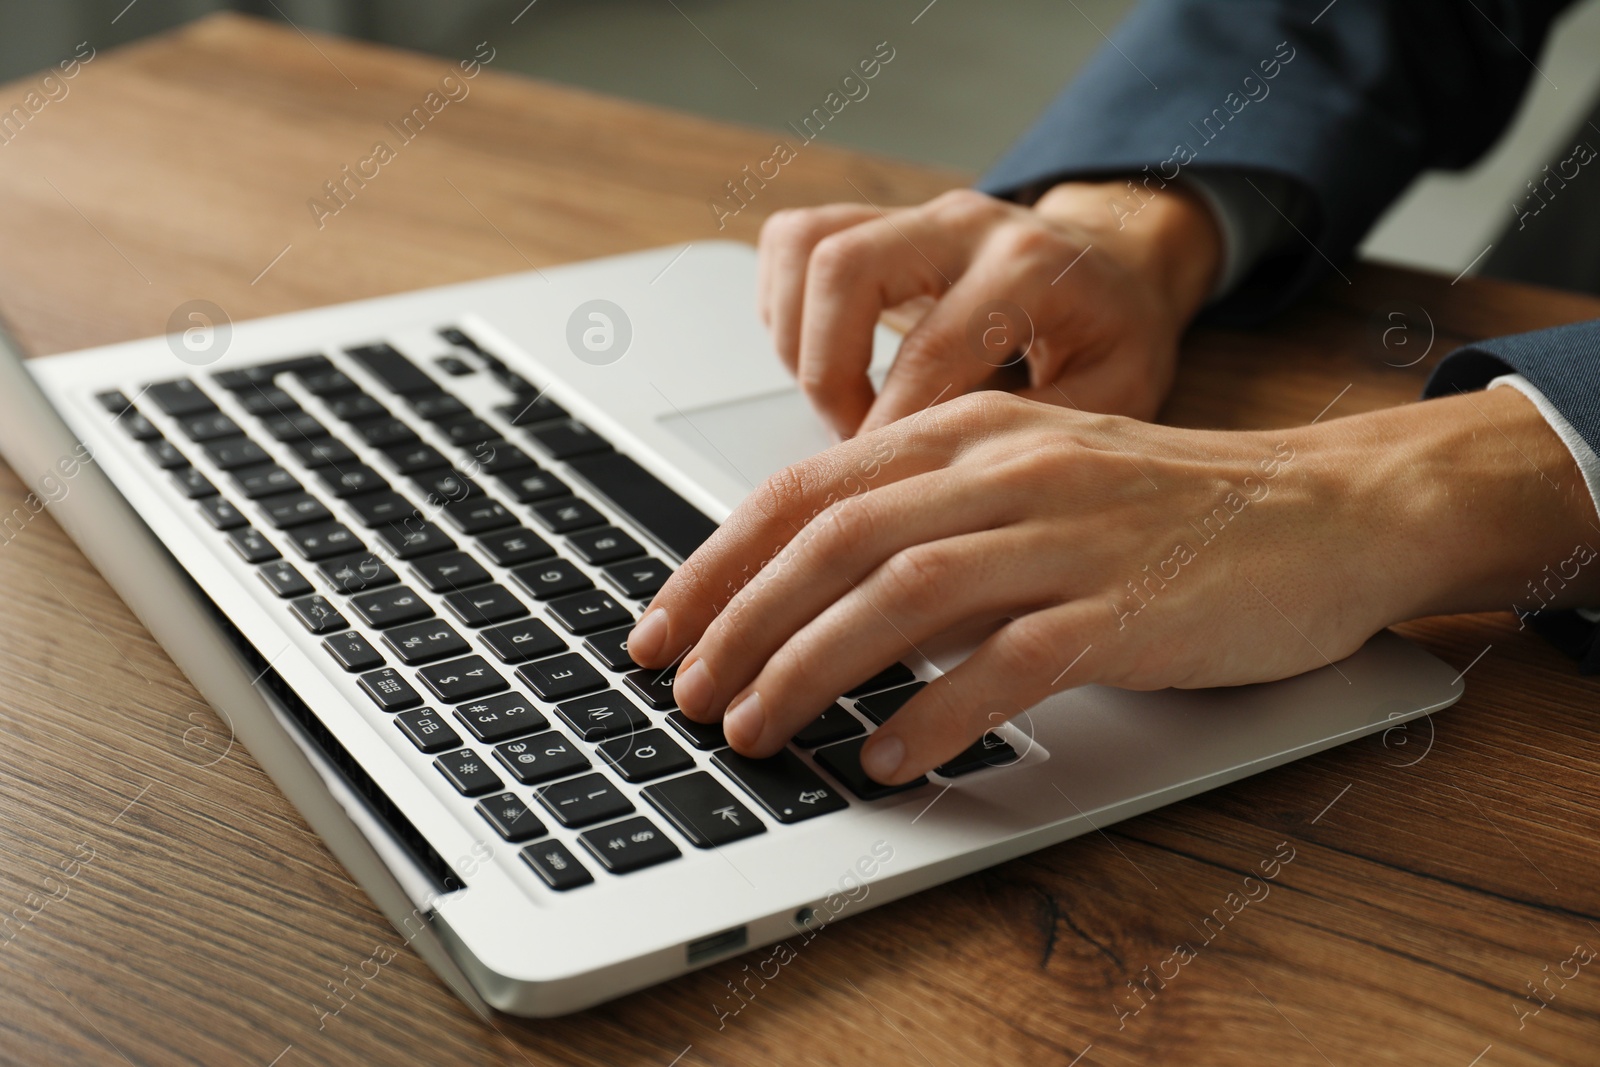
[646, 500]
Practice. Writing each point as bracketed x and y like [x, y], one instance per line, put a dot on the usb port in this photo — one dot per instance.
[718, 944]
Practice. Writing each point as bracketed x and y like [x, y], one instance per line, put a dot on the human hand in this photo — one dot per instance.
[1138, 555]
[1104, 297]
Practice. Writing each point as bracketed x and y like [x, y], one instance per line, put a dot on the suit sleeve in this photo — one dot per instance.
[1344, 102]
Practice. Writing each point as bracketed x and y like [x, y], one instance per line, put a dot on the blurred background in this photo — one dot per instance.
[978, 74]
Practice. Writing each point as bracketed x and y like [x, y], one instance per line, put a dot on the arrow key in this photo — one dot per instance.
[703, 810]
[783, 784]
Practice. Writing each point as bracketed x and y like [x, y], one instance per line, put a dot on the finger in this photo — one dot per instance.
[786, 242]
[921, 591]
[828, 559]
[1018, 666]
[851, 278]
[989, 319]
[766, 522]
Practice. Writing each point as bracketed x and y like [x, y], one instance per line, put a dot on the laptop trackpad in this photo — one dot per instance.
[752, 437]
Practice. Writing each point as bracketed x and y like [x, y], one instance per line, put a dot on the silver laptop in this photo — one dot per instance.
[398, 545]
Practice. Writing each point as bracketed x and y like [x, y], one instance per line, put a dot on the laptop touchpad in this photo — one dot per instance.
[752, 437]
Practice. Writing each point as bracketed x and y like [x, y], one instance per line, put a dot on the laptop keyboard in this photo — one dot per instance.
[482, 601]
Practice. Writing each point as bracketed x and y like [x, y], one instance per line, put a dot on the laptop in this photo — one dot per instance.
[398, 544]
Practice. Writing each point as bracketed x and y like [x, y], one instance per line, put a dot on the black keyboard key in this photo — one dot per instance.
[326, 382]
[352, 651]
[567, 437]
[252, 546]
[584, 801]
[646, 756]
[706, 736]
[703, 810]
[584, 613]
[413, 537]
[468, 772]
[428, 730]
[264, 401]
[383, 508]
[202, 428]
[512, 819]
[244, 377]
[603, 715]
[283, 579]
[611, 649]
[640, 579]
[560, 677]
[446, 485]
[552, 578]
[389, 690]
[534, 409]
[424, 642]
[449, 570]
[356, 573]
[355, 406]
[843, 761]
[464, 431]
[519, 642]
[409, 459]
[383, 433]
[502, 717]
[990, 750]
[351, 479]
[484, 605]
[115, 401]
[300, 428]
[530, 485]
[269, 479]
[179, 398]
[895, 674]
[605, 545]
[323, 540]
[454, 366]
[436, 406]
[322, 451]
[630, 845]
[645, 499]
[192, 484]
[510, 548]
[137, 426]
[164, 454]
[231, 453]
[317, 614]
[462, 679]
[395, 606]
[221, 514]
[397, 373]
[785, 786]
[654, 687]
[568, 514]
[293, 509]
[541, 758]
[835, 724]
[477, 515]
[556, 866]
[879, 706]
[502, 457]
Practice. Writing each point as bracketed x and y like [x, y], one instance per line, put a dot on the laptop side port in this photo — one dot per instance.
[718, 944]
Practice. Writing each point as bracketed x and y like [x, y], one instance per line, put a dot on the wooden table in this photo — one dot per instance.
[170, 909]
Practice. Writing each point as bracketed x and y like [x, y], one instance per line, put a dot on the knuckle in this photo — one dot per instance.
[1025, 240]
[1028, 646]
[850, 524]
[964, 207]
[983, 409]
[782, 493]
[790, 226]
[917, 579]
[834, 259]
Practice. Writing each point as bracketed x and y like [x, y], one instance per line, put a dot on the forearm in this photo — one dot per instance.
[1467, 503]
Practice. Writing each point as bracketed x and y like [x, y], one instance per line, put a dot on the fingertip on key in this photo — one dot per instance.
[694, 690]
[648, 638]
[881, 758]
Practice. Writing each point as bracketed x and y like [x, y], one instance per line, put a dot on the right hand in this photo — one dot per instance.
[1104, 332]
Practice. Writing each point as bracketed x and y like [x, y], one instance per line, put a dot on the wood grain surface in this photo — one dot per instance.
[167, 906]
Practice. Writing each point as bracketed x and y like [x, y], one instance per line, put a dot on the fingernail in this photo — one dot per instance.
[744, 722]
[882, 756]
[694, 689]
[648, 636]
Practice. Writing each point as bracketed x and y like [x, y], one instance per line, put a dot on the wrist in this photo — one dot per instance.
[1464, 503]
[1169, 235]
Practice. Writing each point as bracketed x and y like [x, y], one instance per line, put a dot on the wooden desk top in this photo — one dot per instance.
[169, 909]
